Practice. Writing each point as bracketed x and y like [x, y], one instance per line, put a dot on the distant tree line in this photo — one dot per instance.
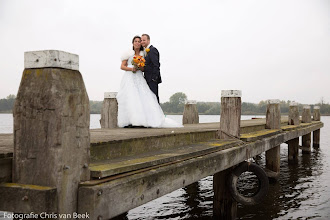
[7, 104]
[176, 103]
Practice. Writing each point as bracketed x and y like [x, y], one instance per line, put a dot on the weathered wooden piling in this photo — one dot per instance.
[294, 119]
[224, 206]
[316, 133]
[306, 139]
[190, 113]
[109, 111]
[51, 127]
[273, 121]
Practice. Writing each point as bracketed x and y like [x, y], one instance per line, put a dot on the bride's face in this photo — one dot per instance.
[137, 43]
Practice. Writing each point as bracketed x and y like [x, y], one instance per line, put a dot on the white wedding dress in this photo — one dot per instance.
[137, 104]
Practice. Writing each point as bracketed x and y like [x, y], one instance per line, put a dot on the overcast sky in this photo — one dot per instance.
[275, 49]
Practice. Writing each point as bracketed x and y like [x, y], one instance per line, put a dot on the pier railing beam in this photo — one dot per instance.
[306, 139]
[51, 126]
[273, 121]
[190, 113]
[224, 206]
[109, 111]
[316, 133]
[294, 119]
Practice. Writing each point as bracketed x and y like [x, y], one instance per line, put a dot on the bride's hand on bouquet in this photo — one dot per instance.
[133, 69]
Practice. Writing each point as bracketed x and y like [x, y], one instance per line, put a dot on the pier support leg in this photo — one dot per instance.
[306, 144]
[224, 206]
[316, 138]
[109, 111]
[190, 113]
[293, 145]
[51, 126]
[293, 150]
[316, 133]
[306, 139]
[273, 121]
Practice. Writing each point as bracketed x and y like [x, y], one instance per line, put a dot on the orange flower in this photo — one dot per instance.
[147, 50]
[142, 64]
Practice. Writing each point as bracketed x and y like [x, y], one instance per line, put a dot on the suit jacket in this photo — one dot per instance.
[151, 69]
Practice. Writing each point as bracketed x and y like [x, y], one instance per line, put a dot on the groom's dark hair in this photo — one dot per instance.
[147, 35]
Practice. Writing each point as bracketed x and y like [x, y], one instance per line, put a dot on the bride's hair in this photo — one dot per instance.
[137, 36]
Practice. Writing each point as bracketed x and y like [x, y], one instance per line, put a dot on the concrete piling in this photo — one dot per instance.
[190, 113]
[224, 206]
[273, 121]
[294, 119]
[51, 126]
[109, 111]
[316, 133]
[306, 139]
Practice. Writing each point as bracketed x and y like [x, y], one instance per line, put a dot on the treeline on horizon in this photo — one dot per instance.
[176, 106]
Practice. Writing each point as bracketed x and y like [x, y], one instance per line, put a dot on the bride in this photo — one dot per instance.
[137, 104]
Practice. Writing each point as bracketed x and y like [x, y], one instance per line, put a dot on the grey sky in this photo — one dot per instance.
[268, 49]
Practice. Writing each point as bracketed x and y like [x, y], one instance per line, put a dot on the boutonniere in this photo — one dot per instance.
[147, 50]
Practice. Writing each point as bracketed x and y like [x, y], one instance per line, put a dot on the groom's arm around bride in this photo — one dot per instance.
[152, 68]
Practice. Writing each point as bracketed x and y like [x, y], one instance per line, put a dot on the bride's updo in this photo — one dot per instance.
[137, 36]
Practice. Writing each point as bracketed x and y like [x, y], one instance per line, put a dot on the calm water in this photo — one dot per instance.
[301, 192]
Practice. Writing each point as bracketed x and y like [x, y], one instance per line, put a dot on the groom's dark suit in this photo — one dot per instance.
[152, 71]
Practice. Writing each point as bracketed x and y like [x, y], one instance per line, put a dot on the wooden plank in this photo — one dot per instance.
[253, 136]
[126, 164]
[21, 198]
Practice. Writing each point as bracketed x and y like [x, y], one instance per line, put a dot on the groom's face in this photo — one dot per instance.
[144, 41]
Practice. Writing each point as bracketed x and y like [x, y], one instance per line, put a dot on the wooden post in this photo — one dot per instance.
[273, 121]
[294, 119]
[316, 133]
[51, 126]
[109, 111]
[306, 139]
[224, 206]
[190, 113]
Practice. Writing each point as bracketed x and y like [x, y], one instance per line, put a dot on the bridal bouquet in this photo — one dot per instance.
[138, 62]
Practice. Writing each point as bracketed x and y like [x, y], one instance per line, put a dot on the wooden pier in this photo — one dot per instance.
[67, 168]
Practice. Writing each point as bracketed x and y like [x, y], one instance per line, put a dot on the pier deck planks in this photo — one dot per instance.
[121, 134]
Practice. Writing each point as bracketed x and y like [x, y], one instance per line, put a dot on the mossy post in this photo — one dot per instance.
[273, 121]
[306, 139]
[190, 113]
[294, 119]
[109, 111]
[316, 133]
[51, 126]
[224, 206]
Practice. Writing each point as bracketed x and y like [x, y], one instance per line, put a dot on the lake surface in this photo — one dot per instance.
[302, 191]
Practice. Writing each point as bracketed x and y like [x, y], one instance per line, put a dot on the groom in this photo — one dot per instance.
[151, 69]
